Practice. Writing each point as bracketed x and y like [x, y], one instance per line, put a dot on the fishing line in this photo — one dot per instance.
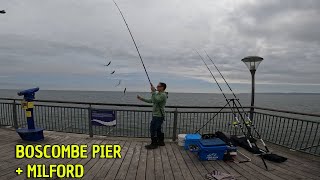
[134, 42]
[254, 128]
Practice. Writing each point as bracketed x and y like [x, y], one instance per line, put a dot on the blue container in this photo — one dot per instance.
[212, 149]
[192, 142]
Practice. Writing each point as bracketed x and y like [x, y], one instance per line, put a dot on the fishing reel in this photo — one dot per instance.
[194, 148]
[208, 136]
[248, 122]
[234, 124]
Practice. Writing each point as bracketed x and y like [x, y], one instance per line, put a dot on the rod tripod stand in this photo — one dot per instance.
[235, 109]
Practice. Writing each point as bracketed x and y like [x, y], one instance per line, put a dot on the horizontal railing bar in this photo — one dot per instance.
[309, 147]
[135, 110]
[286, 111]
[42, 105]
[120, 105]
[280, 116]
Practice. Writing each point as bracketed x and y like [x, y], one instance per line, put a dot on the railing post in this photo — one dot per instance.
[90, 122]
[175, 123]
[15, 117]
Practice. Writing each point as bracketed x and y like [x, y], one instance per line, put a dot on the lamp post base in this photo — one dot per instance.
[31, 134]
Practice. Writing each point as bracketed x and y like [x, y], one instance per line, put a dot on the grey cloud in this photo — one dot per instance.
[83, 35]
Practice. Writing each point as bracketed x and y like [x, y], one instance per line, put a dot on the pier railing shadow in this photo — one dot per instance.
[295, 130]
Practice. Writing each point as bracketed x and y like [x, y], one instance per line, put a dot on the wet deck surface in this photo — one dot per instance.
[167, 162]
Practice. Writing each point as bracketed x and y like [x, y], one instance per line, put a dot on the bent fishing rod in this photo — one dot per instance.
[235, 116]
[134, 42]
[250, 122]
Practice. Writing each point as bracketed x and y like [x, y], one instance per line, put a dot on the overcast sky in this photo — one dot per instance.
[63, 44]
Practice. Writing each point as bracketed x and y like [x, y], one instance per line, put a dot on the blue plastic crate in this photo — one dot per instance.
[212, 149]
[192, 142]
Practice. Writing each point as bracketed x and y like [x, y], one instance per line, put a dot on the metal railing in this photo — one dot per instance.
[298, 131]
[294, 130]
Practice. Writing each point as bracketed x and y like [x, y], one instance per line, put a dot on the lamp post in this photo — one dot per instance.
[252, 63]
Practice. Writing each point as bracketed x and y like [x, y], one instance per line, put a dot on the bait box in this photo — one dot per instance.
[212, 149]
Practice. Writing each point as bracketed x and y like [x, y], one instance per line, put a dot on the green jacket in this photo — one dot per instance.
[159, 100]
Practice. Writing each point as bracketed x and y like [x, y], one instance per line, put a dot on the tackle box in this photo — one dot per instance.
[212, 149]
[192, 142]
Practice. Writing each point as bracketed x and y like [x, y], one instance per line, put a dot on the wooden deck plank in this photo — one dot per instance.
[133, 168]
[193, 167]
[257, 165]
[167, 169]
[177, 172]
[94, 164]
[92, 172]
[141, 172]
[189, 155]
[182, 164]
[168, 162]
[117, 163]
[159, 173]
[296, 164]
[123, 170]
[245, 173]
[229, 169]
[294, 167]
[150, 171]
[308, 158]
[65, 161]
[13, 162]
[51, 161]
[102, 173]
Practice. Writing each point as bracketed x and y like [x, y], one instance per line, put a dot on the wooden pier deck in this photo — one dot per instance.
[167, 162]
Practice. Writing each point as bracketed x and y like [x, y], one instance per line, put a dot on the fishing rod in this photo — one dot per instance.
[134, 42]
[225, 97]
[235, 116]
[249, 120]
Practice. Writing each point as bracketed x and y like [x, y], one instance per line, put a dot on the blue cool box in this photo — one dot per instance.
[191, 140]
[212, 149]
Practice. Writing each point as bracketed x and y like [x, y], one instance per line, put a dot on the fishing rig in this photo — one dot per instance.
[248, 122]
[235, 109]
[134, 42]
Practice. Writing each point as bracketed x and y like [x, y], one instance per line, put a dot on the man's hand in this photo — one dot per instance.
[139, 97]
[153, 89]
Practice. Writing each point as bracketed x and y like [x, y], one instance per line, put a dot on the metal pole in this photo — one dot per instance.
[175, 124]
[252, 93]
[15, 117]
[90, 122]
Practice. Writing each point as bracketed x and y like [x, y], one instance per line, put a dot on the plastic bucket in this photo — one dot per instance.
[181, 139]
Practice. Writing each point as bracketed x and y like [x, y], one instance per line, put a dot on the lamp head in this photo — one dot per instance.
[252, 62]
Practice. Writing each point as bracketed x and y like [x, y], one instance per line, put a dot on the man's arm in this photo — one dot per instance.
[158, 98]
[144, 100]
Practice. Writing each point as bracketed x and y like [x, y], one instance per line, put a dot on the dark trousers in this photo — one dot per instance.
[155, 126]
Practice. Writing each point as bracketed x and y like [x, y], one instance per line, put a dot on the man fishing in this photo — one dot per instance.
[159, 99]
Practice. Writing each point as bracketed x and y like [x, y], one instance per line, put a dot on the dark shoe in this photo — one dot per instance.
[154, 143]
[161, 140]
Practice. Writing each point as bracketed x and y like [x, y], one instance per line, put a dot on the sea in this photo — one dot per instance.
[300, 102]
